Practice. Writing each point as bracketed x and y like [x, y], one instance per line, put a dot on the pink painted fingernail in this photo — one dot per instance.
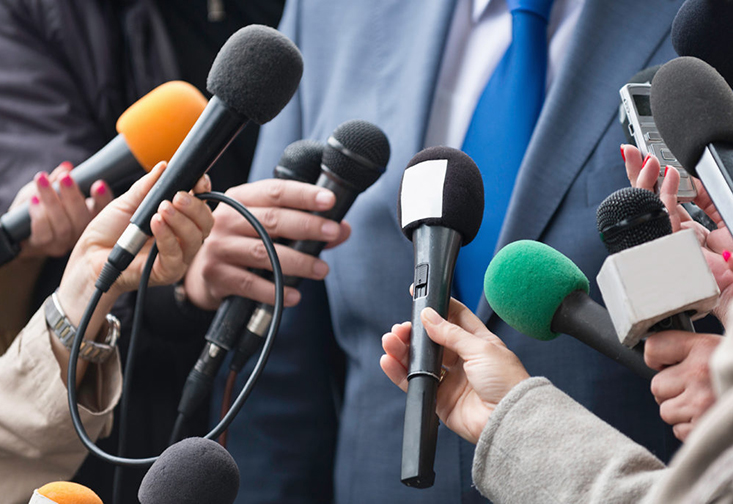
[66, 165]
[646, 160]
[35, 200]
[67, 181]
[666, 169]
[101, 190]
[726, 255]
[623, 156]
[43, 180]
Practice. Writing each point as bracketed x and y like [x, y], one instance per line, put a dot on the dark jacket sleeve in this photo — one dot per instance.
[57, 101]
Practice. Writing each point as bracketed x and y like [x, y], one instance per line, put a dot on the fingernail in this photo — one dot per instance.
[324, 199]
[167, 208]
[623, 156]
[320, 269]
[666, 169]
[101, 189]
[67, 181]
[646, 159]
[66, 165]
[726, 255]
[330, 229]
[183, 198]
[43, 180]
[292, 297]
[432, 316]
[35, 200]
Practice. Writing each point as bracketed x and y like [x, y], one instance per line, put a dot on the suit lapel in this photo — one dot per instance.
[613, 41]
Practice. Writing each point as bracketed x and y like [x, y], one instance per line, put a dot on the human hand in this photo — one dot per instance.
[682, 388]
[480, 369]
[716, 245]
[222, 267]
[179, 227]
[58, 218]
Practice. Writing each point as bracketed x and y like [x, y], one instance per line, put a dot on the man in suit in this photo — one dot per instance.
[388, 63]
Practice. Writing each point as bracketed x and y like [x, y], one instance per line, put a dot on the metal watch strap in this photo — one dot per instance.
[65, 331]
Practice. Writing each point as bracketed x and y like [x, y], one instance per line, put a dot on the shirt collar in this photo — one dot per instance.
[478, 8]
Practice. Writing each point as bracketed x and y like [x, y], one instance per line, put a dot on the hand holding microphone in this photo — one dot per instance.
[479, 369]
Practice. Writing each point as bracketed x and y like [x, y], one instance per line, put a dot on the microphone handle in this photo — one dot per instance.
[113, 163]
[715, 170]
[436, 250]
[589, 322]
[676, 322]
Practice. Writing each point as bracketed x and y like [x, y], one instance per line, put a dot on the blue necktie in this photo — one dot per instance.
[499, 133]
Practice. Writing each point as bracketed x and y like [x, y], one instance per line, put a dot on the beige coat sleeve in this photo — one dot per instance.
[38, 443]
[541, 446]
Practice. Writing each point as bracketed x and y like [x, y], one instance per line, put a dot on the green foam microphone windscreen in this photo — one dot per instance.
[525, 284]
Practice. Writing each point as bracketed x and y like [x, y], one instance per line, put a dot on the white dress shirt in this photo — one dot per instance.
[480, 34]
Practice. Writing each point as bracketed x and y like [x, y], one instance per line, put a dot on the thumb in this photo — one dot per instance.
[129, 201]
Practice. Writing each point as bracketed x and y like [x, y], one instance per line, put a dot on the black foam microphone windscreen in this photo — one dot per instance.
[702, 28]
[692, 106]
[455, 201]
[192, 471]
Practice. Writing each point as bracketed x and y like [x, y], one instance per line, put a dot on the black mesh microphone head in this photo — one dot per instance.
[692, 107]
[256, 72]
[192, 471]
[441, 186]
[357, 152]
[301, 161]
[630, 217]
[645, 75]
[704, 29]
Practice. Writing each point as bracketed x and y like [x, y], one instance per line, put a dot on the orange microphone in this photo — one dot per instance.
[64, 492]
[149, 131]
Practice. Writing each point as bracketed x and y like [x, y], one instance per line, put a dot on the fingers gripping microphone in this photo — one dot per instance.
[253, 77]
[440, 209]
[541, 293]
[149, 131]
[300, 161]
[693, 108]
[653, 280]
[702, 29]
[64, 492]
[355, 156]
[192, 471]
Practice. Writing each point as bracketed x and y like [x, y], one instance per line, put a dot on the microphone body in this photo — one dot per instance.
[209, 137]
[114, 164]
[435, 250]
[589, 322]
[715, 170]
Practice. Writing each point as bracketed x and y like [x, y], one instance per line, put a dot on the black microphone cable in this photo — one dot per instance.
[102, 281]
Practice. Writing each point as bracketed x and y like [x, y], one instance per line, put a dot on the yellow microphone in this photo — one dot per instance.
[64, 492]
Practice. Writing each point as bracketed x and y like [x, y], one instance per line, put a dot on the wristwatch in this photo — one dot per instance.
[65, 331]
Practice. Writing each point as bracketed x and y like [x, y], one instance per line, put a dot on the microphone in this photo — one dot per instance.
[64, 492]
[654, 279]
[192, 471]
[355, 156]
[253, 77]
[702, 29]
[300, 161]
[440, 209]
[541, 293]
[149, 131]
[693, 108]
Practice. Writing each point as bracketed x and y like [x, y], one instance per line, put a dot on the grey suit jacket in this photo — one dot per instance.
[379, 61]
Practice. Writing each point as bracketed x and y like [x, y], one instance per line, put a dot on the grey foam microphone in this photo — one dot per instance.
[355, 156]
[440, 209]
[192, 471]
[692, 105]
[253, 77]
[702, 28]
[653, 280]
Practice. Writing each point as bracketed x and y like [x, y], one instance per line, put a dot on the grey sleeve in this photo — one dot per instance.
[539, 445]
